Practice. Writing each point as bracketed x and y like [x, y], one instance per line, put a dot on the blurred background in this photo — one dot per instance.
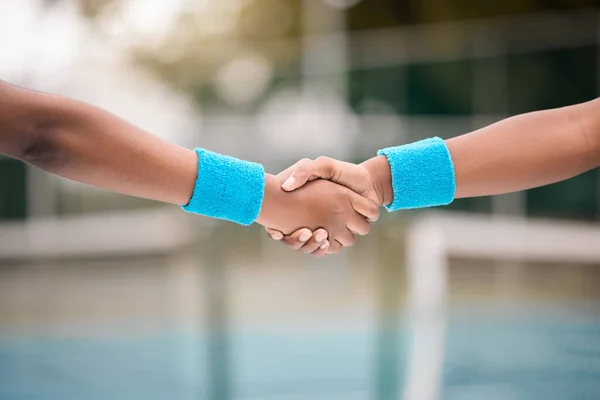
[110, 297]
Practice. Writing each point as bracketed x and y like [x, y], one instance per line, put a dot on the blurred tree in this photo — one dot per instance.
[93, 8]
[206, 39]
[209, 35]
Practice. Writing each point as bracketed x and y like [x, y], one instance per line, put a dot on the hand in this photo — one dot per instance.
[371, 179]
[366, 179]
[321, 204]
[304, 240]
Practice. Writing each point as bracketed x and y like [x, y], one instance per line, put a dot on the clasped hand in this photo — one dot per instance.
[317, 207]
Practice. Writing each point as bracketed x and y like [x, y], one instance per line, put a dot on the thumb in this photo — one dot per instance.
[321, 168]
[297, 179]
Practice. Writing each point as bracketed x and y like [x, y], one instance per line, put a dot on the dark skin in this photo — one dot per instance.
[87, 144]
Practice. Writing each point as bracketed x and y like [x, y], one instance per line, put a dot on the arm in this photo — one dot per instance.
[517, 153]
[527, 151]
[87, 144]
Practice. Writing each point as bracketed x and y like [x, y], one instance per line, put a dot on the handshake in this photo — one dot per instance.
[317, 207]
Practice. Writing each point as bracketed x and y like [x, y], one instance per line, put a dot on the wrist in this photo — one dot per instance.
[272, 197]
[379, 169]
[227, 188]
[422, 174]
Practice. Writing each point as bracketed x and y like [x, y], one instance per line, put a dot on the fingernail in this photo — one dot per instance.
[320, 237]
[277, 236]
[288, 183]
[324, 246]
[304, 237]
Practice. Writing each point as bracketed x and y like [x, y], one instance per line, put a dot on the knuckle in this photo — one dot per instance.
[300, 169]
[325, 163]
[291, 243]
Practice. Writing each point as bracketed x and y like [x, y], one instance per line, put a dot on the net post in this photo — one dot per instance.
[427, 271]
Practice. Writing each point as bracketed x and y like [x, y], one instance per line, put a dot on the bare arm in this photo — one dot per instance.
[518, 153]
[527, 150]
[87, 144]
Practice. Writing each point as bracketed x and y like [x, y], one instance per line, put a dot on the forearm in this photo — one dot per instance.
[87, 144]
[527, 151]
[517, 153]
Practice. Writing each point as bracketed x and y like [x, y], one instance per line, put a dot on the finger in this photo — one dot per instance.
[335, 247]
[315, 242]
[287, 172]
[322, 250]
[273, 234]
[297, 239]
[359, 225]
[365, 207]
[346, 238]
[322, 167]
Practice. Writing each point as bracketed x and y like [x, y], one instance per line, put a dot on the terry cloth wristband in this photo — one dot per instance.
[422, 174]
[227, 188]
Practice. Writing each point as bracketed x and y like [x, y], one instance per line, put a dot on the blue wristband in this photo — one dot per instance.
[227, 188]
[422, 174]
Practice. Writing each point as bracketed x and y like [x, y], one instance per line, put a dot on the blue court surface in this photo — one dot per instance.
[527, 357]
